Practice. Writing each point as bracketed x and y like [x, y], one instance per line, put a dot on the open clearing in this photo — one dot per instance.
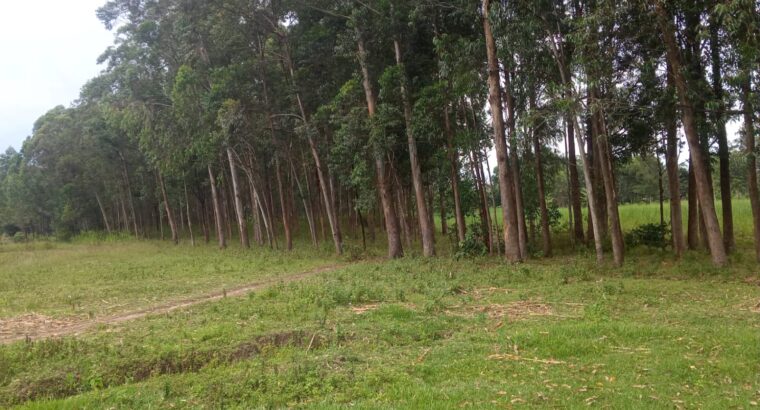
[34, 326]
[409, 333]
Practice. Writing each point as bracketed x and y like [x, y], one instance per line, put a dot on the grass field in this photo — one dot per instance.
[412, 333]
[633, 215]
[60, 279]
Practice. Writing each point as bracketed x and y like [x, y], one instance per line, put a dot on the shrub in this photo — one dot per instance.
[652, 235]
[474, 243]
[10, 230]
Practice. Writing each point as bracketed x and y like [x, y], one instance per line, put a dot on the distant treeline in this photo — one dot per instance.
[267, 117]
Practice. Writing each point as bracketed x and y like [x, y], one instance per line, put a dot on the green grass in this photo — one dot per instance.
[60, 279]
[434, 333]
[634, 215]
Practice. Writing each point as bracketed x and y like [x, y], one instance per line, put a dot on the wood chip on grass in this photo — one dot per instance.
[512, 311]
[517, 358]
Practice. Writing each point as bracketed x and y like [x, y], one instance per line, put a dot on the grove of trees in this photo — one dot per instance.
[262, 120]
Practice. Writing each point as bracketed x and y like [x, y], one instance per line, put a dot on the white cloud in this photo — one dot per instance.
[49, 50]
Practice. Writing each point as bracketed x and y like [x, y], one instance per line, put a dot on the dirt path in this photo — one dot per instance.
[35, 327]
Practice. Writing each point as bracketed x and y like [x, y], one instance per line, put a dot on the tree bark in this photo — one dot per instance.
[594, 221]
[515, 163]
[485, 216]
[494, 216]
[444, 214]
[103, 212]
[217, 209]
[692, 234]
[608, 179]
[189, 219]
[506, 183]
[575, 190]
[332, 216]
[395, 248]
[453, 155]
[546, 240]
[426, 228]
[720, 127]
[167, 207]
[304, 199]
[202, 212]
[284, 208]
[278, 172]
[671, 164]
[706, 202]
[128, 186]
[238, 200]
[749, 149]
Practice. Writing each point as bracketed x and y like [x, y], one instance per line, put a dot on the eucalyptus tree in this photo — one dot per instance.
[741, 21]
[701, 173]
[506, 184]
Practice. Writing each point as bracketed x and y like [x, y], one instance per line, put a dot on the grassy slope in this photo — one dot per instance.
[644, 336]
[436, 333]
[95, 279]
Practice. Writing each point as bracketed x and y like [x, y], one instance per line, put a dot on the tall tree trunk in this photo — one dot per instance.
[226, 209]
[305, 200]
[217, 209]
[321, 172]
[189, 219]
[564, 56]
[574, 188]
[269, 208]
[546, 240]
[660, 190]
[605, 160]
[454, 174]
[426, 228]
[203, 212]
[430, 205]
[596, 175]
[704, 193]
[181, 219]
[103, 213]
[692, 234]
[720, 127]
[671, 163]
[444, 214]
[506, 183]
[485, 216]
[168, 208]
[125, 218]
[594, 221]
[262, 211]
[239, 210]
[403, 210]
[595, 218]
[284, 206]
[494, 217]
[749, 149]
[278, 172]
[453, 156]
[515, 163]
[395, 248]
[128, 186]
[160, 222]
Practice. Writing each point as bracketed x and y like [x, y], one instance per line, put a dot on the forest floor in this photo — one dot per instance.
[432, 333]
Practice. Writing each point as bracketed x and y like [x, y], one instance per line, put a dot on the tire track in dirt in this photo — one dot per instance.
[11, 332]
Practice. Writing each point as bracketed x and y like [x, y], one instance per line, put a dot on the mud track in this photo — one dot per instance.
[37, 327]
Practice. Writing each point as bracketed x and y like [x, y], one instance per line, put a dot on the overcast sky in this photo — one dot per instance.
[49, 50]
